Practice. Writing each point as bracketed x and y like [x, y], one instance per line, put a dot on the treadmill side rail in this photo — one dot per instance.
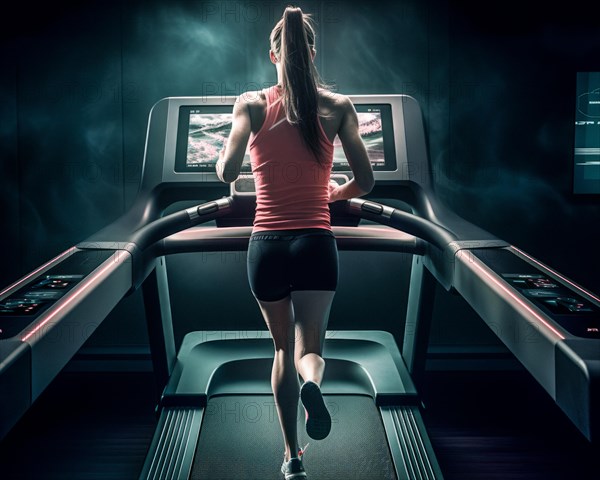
[15, 383]
[410, 447]
[578, 384]
[521, 326]
[172, 450]
[61, 330]
[547, 321]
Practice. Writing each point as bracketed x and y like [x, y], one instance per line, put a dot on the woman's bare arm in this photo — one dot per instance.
[231, 157]
[357, 157]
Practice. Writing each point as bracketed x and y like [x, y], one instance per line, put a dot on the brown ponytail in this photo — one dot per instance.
[292, 42]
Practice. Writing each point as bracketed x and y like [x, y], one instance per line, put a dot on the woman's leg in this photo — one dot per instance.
[315, 270]
[279, 317]
[311, 312]
[311, 309]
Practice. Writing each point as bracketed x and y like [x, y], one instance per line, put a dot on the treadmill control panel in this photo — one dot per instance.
[21, 308]
[560, 301]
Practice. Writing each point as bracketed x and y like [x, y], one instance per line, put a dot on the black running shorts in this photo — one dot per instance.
[283, 261]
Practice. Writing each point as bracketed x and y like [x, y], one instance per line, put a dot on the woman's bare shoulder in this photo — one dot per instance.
[332, 102]
[333, 99]
[253, 97]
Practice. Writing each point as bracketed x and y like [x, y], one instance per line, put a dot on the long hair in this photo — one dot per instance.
[293, 42]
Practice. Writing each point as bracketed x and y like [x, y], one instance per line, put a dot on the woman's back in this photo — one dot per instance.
[332, 108]
[292, 185]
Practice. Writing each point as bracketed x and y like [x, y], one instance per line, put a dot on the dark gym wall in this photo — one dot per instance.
[496, 84]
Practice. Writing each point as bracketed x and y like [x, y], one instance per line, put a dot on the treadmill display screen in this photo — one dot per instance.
[203, 131]
[586, 173]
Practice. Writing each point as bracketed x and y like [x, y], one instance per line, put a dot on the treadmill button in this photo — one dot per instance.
[539, 293]
[56, 282]
[573, 304]
[44, 295]
[19, 306]
[541, 283]
[52, 283]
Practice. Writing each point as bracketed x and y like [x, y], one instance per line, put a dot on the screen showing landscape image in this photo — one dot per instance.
[208, 133]
[371, 131]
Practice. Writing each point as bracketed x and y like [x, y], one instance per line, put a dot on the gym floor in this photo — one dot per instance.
[483, 425]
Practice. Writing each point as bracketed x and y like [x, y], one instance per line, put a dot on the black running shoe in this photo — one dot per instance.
[318, 420]
[293, 468]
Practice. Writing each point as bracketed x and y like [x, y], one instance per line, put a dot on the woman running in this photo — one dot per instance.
[292, 254]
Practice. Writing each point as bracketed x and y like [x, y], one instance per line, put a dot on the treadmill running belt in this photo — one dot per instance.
[240, 438]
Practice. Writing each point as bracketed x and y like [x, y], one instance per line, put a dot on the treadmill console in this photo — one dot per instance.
[198, 128]
[202, 133]
[556, 298]
[21, 308]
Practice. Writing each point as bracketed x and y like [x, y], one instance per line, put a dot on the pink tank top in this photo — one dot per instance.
[292, 189]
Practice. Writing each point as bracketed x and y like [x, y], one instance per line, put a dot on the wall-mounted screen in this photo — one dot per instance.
[203, 130]
[586, 172]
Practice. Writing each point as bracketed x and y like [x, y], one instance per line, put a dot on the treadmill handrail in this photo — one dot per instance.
[404, 221]
[175, 222]
[363, 238]
[445, 241]
[425, 204]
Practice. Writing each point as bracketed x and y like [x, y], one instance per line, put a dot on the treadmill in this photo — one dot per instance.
[216, 412]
